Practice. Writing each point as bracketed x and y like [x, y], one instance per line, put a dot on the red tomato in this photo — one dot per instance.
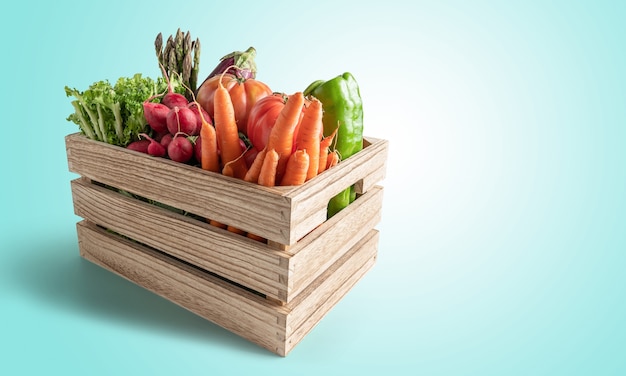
[263, 116]
[244, 94]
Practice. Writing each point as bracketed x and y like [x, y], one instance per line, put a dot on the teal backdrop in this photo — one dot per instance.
[502, 237]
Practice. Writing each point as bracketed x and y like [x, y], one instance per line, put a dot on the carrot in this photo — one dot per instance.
[324, 150]
[235, 230]
[333, 159]
[233, 168]
[227, 131]
[267, 176]
[297, 167]
[256, 237]
[216, 223]
[308, 137]
[208, 147]
[252, 175]
[281, 135]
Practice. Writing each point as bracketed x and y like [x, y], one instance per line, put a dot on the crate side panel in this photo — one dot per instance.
[310, 200]
[231, 256]
[309, 308]
[317, 251]
[239, 311]
[260, 210]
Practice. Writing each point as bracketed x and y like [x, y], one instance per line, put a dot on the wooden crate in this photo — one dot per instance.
[270, 293]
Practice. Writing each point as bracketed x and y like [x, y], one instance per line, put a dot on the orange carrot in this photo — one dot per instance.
[252, 175]
[267, 176]
[209, 159]
[296, 170]
[256, 237]
[324, 150]
[281, 135]
[228, 170]
[216, 223]
[333, 159]
[233, 168]
[235, 230]
[309, 134]
[227, 131]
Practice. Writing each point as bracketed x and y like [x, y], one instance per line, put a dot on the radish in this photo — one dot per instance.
[180, 148]
[194, 106]
[140, 146]
[155, 114]
[197, 149]
[155, 148]
[172, 99]
[182, 119]
[166, 139]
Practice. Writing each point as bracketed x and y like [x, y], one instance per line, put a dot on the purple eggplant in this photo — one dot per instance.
[237, 63]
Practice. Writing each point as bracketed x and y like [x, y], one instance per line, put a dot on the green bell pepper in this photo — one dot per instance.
[343, 110]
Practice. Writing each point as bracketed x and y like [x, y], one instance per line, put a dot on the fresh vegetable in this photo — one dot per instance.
[172, 98]
[200, 113]
[332, 159]
[297, 167]
[244, 94]
[282, 134]
[180, 149]
[226, 131]
[343, 110]
[182, 119]
[324, 150]
[262, 117]
[156, 115]
[114, 113]
[181, 57]
[267, 176]
[237, 63]
[140, 146]
[155, 148]
[309, 134]
[209, 157]
[254, 171]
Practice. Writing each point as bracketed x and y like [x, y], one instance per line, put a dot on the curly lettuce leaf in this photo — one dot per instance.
[114, 113]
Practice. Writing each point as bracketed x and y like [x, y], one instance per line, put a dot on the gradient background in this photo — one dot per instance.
[503, 233]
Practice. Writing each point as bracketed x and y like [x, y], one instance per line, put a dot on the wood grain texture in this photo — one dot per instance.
[277, 274]
[281, 214]
[275, 327]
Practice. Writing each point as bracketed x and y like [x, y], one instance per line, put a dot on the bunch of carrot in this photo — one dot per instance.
[278, 163]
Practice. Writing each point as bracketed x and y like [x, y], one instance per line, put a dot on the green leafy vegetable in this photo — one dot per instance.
[114, 113]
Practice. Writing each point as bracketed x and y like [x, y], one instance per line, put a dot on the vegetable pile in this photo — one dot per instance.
[232, 123]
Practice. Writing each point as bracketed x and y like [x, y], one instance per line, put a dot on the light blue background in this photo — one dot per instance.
[502, 240]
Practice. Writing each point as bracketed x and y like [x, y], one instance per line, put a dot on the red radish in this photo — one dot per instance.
[194, 107]
[172, 99]
[155, 148]
[197, 149]
[140, 146]
[166, 139]
[180, 149]
[182, 119]
[155, 114]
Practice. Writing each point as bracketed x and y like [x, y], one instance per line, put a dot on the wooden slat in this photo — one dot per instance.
[275, 327]
[233, 308]
[278, 274]
[232, 256]
[310, 200]
[281, 214]
[331, 240]
[308, 309]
